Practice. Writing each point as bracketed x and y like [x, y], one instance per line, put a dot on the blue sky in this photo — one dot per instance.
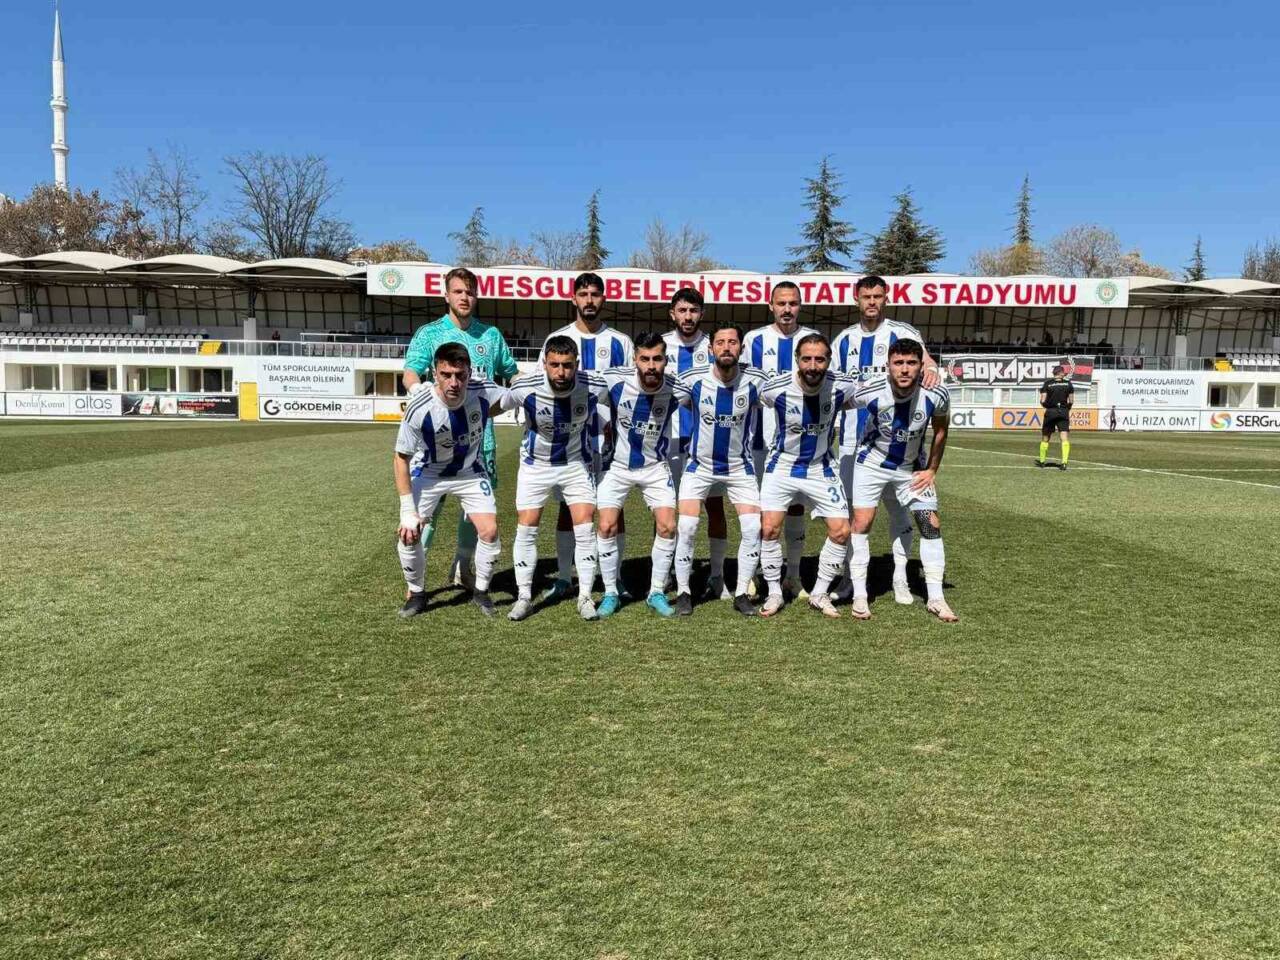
[1158, 123]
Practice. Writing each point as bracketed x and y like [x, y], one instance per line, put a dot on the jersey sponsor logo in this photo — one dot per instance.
[648, 427]
[807, 429]
[720, 420]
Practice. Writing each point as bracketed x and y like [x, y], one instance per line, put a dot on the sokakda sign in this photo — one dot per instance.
[741, 287]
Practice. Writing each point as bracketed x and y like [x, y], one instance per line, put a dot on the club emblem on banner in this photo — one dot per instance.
[391, 279]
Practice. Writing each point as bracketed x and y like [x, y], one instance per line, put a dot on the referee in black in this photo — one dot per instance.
[1056, 396]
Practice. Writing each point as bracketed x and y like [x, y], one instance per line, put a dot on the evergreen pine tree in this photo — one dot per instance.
[594, 253]
[1195, 269]
[1022, 226]
[825, 237]
[473, 246]
[906, 245]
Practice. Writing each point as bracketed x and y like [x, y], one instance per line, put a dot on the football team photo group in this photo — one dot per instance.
[780, 421]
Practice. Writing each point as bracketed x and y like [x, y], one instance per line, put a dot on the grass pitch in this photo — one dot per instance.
[218, 740]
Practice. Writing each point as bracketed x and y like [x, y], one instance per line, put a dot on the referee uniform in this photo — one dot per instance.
[1056, 395]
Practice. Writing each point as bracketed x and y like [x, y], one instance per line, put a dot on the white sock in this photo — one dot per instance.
[933, 558]
[622, 552]
[719, 548]
[584, 556]
[608, 553]
[748, 551]
[487, 554]
[900, 523]
[771, 564]
[793, 528]
[564, 554]
[831, 563]
[524, 556]
[686, 531]
[413, 563]
[859, 560]
[661, 556]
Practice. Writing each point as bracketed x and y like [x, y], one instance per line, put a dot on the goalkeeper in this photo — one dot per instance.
[490, 358]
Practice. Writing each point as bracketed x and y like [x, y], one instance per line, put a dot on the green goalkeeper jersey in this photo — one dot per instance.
[490, 356]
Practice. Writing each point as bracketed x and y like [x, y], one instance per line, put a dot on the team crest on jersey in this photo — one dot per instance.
[475, 416]
[659, 411]
[480, 349]
[880, 349]
[826, 407]
[918, 416]
[739, 402]
[699, 358]
[602, 352]
[579, 410]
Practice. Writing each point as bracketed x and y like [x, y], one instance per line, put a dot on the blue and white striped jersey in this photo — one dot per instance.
[865, 355]
[557, 427]
[773, 353]
[681, 358]
[444, 441]
[724, 417]
[603, 350]
[806, 423]
[642, 421]
[896, 427]
[598, 351]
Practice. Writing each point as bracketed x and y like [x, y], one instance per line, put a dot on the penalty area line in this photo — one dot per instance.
[1121, 466]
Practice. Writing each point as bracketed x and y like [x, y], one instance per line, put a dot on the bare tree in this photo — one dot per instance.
[1131, 264]
[673, 251]
[1085, 250]
[560, 250]
[54, 219]
[167, 191]
[389, 251]
[1261, 261]
[1011, 261]
[282, 202]
[222, 238]
[509, 251]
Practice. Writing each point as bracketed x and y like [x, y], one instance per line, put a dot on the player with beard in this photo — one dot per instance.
[862, 351]
[892, 457]
[600, 348]
[642, 402]
[771, 350]
[807, 405]
[688, 347]
[559, 404]
[723, 397]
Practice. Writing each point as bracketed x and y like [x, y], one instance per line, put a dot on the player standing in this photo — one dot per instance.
[891, 455]
[723, 397]
[642, 402]
[771, 350]
[862, 351]
[807, 405]
[1056, 396]
[689, 347]
[560, 406]
[490, 358]
[437, 454]
[600, 348]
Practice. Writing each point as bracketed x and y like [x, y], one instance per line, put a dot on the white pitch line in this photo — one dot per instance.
[1121, 466]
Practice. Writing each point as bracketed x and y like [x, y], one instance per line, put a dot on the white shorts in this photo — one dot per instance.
[597, 475]
[474, 492]
[824, 495]
[870, 483]
[570, 482]
[741, 488]
[654, 482]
